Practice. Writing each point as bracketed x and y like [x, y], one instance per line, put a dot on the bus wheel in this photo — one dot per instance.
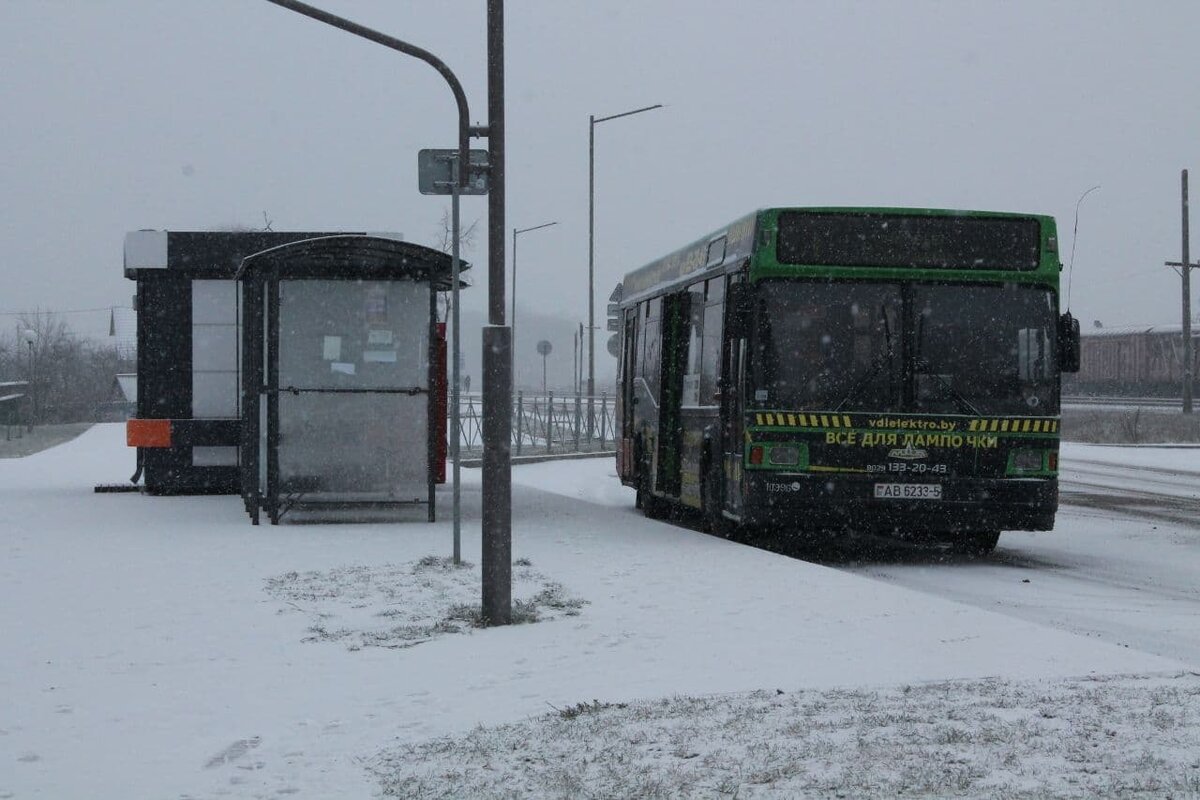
[977, 543]
[650, 505]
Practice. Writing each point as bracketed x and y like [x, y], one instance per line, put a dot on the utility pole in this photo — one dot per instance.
[1185, 267]
[497, 357]
[1185, 270]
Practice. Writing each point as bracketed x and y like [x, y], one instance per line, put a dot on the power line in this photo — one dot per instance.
[31, 312]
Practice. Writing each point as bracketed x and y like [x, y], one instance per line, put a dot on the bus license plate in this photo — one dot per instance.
[908, 491]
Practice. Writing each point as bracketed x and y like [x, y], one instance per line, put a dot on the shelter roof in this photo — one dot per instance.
[350, 256]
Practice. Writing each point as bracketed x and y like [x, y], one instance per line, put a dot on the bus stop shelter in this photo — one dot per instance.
[342, 375]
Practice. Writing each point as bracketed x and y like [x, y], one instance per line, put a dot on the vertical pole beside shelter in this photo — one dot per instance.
[497, 522]
[455, 434]
[272, 391]
[431, 407]
[1185, 270]
[496, 550]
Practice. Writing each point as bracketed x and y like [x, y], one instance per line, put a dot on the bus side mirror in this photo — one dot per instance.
[739, 303]
[1068, 343]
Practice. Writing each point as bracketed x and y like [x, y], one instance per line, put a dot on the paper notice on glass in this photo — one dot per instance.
[344, 367]
[376, 336]
[333, 348]
[380, 356]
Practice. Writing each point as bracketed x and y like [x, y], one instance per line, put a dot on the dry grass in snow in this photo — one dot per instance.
[1082, 738]
[402, 605]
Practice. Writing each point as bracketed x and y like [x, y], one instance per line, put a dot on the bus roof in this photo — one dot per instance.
[726, 248]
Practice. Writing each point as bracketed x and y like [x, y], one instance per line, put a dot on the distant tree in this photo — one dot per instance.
[240, 227]
[69, 377]
[445, 243]
[466, 236]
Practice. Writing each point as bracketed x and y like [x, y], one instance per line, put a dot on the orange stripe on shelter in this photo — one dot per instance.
[148, 433]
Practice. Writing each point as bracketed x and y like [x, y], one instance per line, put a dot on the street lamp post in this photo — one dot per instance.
[591, 381]
[512, 321]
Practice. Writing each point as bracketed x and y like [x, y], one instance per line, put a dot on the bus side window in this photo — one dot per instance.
[651, 357]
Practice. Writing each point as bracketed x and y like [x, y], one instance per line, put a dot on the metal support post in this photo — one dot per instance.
[591, 321]
[455, 432]
[496, 553]
[497, 488]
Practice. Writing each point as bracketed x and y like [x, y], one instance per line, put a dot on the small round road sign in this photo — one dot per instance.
[544, 347]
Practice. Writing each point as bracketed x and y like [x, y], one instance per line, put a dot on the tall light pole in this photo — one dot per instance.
[512, 322]
[591, 381]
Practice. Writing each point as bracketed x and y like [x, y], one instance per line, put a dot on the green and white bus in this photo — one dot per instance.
[869, 369]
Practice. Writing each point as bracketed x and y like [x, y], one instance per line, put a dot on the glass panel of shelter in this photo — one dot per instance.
[346, 347]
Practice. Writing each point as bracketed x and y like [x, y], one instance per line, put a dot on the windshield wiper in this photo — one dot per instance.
[954, 394]
[886, 356]
[922, 363]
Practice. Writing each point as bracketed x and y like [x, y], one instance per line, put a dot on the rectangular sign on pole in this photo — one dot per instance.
[434, 172]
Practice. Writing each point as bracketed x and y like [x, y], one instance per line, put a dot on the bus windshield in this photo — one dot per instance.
[904, 347]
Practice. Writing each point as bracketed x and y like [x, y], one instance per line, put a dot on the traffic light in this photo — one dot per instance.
[614, 320]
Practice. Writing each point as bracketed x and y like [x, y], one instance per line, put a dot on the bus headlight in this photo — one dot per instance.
[785, 455]
[1027, 460]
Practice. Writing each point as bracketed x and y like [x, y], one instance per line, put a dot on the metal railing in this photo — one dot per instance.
[12, 403]
[544, 424]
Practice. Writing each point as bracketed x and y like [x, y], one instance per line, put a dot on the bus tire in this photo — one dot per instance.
[650, 505]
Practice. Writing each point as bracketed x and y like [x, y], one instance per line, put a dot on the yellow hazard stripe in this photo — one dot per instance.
[1020, 425]
[794, 419]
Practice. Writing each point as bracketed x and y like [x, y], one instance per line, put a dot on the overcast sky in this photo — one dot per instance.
[128, 114]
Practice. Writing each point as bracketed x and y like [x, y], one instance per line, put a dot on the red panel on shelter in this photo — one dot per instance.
[148, 433]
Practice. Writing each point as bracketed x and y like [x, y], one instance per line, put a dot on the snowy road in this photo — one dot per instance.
[162, 647]
[1120, 565]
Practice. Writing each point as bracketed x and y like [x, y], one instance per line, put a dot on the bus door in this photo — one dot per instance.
[674, 365]
[732, 408]
[628, 397]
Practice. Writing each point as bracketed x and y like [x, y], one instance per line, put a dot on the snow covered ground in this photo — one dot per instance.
[164, 648]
